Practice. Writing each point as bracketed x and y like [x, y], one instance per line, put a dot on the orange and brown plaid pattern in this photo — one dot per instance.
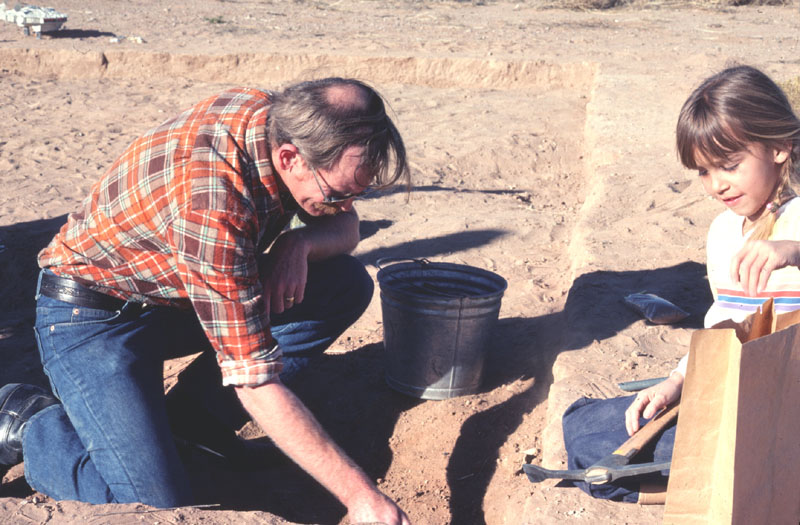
[183, 214]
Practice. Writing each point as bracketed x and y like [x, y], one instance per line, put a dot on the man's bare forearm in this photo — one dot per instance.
[296, 431]
[324, 237]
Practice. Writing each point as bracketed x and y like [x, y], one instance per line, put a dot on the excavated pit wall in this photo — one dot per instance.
[271, 68]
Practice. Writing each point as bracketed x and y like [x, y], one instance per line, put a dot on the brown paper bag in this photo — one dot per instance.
[737, 447]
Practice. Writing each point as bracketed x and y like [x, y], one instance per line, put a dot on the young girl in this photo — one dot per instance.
[739, 132]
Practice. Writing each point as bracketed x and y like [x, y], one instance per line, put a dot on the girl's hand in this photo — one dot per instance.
[756, 261]
[650, 400]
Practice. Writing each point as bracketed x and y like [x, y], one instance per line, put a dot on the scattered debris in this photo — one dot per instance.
[524, 197]
[655, 309]
[34, 19]
[119, 38]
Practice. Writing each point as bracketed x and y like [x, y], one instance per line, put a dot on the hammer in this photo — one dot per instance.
[618, 464]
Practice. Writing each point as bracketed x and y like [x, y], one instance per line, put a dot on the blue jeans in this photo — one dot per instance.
[595, 428]
[109, 441]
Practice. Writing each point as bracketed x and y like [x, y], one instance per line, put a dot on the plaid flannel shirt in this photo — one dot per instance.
[182, 215]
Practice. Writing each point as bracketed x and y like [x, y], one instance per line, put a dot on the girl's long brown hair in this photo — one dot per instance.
[729, 112]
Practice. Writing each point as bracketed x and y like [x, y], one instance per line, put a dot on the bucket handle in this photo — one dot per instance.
[427, 288]
[383, 260]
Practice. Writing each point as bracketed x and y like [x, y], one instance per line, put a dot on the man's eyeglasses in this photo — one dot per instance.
[336, 199]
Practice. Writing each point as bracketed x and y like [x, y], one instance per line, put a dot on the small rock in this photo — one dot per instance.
[627, 365]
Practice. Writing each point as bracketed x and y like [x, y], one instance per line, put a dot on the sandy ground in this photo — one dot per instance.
[542, 149]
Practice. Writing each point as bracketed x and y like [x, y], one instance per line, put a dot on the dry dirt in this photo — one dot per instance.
[542, 149]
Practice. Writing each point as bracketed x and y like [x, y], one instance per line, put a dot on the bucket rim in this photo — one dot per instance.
[385, 273]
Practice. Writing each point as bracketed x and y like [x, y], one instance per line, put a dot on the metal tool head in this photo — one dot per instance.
[595, 474]
[537, 474]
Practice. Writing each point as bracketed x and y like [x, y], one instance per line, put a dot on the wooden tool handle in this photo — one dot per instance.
[652, 493]
[641, 438]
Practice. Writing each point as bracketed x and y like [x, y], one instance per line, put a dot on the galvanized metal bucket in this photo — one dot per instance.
[437, 323]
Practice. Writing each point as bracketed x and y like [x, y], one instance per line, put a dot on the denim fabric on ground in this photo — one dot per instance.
[110, 440]
[594, 429]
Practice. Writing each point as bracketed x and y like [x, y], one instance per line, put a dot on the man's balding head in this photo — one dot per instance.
[348, 96]
[322, 118]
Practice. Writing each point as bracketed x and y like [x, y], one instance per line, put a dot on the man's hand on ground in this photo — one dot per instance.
[375, 507]
[296, 431]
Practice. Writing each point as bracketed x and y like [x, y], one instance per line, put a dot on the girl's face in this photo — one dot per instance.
[745, 181]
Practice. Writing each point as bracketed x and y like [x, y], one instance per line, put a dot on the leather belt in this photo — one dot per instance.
[70, 291]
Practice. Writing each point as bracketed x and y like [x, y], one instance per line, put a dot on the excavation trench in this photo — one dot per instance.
[497, 153]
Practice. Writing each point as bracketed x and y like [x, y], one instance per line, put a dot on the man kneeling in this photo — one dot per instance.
[182, 246]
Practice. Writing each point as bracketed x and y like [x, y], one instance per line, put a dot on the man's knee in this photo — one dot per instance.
[354, 286]
[363, 286]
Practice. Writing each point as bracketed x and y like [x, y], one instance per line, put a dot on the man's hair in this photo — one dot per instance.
[322, 118]
[732, 110]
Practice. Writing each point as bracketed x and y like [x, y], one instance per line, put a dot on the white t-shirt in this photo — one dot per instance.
[725, 239]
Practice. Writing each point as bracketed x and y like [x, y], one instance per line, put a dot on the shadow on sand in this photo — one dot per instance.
[349, 395]
[78, 33]
[18, 275]
[527, 348]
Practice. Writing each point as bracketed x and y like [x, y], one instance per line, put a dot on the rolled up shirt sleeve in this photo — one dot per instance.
[216, 261]
[682, 365]
[262, 366]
